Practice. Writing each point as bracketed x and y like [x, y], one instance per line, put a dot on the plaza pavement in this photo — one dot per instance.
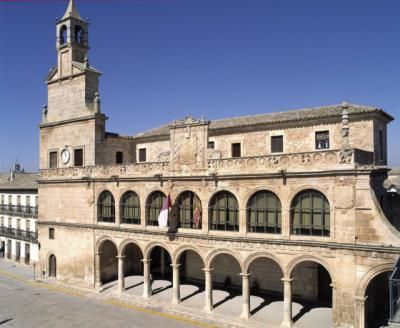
[25, 303]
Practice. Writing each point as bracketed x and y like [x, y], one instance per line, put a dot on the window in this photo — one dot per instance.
[106, 207]
[78, 34]
[63, 35]
[189, 210]
[223, 212]
[2, 222]
[236, 150]
[53, 160]
[78, 157]
[119, 157]
[142, 155]
[277, 144]
[211, 145]
[51, 233]
[264, 213]
[322, 140]
[153, 207]
[28, 225]
[310, 214]
[130, 208]
[381, 153]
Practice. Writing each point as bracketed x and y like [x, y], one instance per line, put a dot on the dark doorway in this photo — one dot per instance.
[52, 266]
[18, 251]
[377, 311]
[324, 286]
[108, 262]
[27, 253]
[160, 264]
[133, 260]
[2, 249]
[9, 248]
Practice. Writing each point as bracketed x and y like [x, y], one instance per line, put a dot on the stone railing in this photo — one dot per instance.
[298, 162]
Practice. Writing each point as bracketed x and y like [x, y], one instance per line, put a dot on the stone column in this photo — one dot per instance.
[285, 223]
[146, 278]
[245, 296]
[176, 284]
[242, 221]
[209, 290]
[360, 311]
[162, 261]
[121, 275]
[287, 303]
[97, 270]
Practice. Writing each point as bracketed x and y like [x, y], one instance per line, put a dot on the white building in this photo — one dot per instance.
[18, 216]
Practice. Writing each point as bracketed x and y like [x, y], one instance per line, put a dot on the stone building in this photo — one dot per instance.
[18, 216]
[283, 204]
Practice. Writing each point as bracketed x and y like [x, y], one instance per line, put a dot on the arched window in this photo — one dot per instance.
[223, 212]
[78, 34]
[106, 207]
[63, 35]
[153, 207]
[189, 210]
[130, 208]
[310, 214]
[264, 213]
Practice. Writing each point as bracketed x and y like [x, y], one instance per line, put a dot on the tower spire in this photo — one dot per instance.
[72, 11]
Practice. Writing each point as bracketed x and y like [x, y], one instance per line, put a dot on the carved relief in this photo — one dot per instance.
[164, 156]
[346, 156]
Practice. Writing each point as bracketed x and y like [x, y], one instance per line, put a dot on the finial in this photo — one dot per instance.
[96, 103]
[345, 104]
[86, 61]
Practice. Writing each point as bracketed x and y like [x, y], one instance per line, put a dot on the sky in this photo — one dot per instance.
[164, 59]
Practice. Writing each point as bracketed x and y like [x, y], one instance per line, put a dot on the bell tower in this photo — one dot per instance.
[72, 40]
[72, 121]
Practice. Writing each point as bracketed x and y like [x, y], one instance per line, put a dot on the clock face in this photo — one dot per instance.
[65, 156]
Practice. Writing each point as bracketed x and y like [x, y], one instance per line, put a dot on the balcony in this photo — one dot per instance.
[18, 210]
[29, 236]
[297, 162]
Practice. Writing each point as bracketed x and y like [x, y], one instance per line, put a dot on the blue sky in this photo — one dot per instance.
[163, 59]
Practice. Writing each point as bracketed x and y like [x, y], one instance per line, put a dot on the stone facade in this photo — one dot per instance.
[337, 153]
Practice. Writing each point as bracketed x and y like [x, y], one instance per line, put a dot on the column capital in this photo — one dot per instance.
[175, 266]
[145, 261]
[97, 253]
[287, 280]
[207, 270]
[245, 275]
[120, 257]
[360, 299]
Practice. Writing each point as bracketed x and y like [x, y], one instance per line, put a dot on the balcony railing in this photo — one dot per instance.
[291, 162]
[18, 210]
[29, 236]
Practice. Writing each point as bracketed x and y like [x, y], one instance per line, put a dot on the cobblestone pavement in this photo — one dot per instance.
[24, 304]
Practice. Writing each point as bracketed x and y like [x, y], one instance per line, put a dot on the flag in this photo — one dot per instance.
[163, 216]
[197, 215]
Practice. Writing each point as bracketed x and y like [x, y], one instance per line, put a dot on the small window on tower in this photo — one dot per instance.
[53, 160]
[211, 145]
[236, 150]
[142, 155]
[63, 35]
[78, 157]
[119, 157]
[51, 233]
[78, 34]
[322, 140]
[277, 144]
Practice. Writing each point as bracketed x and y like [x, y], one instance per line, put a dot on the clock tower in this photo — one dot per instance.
[72, 126]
